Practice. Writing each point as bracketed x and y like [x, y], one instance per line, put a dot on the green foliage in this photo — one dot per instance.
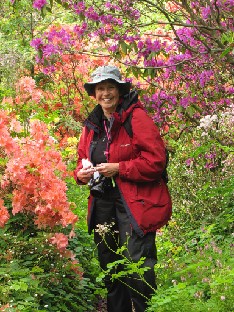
[198, 278]
[82, 244]
[34, 276]
[195, 269]
[19, 25]
[201, 183]
[16, 30]
[194, 272]
[79, 196]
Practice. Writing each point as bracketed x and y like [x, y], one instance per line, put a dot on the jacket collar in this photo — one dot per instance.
[128, 100]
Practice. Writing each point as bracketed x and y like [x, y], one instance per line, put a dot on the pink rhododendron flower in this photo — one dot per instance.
[37, 95]
[15, 126]
[7, 100]
[72, 234]
[60, 240]
[39, 4]
[36, 43]
[6, 141]
[32, 168]
[75, 266]
[206, 12]
[4, 214]
[4, 182]
[6, 306]
[172, 7]
[26, 84]
[69, 218]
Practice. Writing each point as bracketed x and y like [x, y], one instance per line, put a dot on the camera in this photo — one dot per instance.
[99, 186]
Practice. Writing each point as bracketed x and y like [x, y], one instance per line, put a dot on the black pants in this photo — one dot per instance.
[125, 291]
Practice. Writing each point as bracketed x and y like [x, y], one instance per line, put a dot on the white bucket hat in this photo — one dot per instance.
[107, 72]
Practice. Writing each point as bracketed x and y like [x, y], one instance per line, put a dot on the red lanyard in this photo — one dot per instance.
[107, 130]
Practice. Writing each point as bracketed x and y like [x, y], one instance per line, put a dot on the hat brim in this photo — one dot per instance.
[124, 86]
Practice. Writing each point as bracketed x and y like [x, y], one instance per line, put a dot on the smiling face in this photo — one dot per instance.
[107, 95]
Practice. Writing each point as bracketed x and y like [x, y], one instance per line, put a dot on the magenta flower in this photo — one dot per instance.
[49, 50]
[210, 165]
[80, 7]
[210, 155]
[140, 45]
[189, 162]
[36, 43]
[39, 4]
[80, 30]
[185, 102]
[113, 48]
[91, 14]
[206, 12]
[48, 70]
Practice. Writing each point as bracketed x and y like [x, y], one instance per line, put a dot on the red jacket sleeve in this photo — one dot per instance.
[149, 146]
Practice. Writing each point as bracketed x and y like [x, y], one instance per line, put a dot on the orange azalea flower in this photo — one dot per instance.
[60, 240]
[4, 214]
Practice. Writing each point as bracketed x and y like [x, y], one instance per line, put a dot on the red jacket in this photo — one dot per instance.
[141, 162]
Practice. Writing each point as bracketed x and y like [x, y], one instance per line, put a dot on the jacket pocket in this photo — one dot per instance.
[125, 152]
[153, 194]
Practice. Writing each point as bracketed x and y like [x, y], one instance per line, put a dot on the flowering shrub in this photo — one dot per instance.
[180, 57]
[219, 126]
[36, 182]
[37, 277]
[37, 223]
[185, 67]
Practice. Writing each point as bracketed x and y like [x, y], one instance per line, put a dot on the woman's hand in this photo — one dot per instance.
[84, 175]
[108, 169]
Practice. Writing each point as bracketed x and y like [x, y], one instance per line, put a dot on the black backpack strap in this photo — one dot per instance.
[128, 125]
[128, 100]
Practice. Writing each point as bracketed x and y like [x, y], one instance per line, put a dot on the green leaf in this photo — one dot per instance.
[37, 269]
[135, 72]
[124, 47]
[19, 286]
[229, 49]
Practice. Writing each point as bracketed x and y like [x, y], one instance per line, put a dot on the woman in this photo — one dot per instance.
[125, 178]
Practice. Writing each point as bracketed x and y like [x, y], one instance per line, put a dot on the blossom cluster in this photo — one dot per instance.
[26, 89]
[185, 70]
[208, 122]
[219, 125]
[39, 4]
[176, 68]
[35, 171]
[103, 229]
